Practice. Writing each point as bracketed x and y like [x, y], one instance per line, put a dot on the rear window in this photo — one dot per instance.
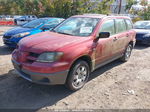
[142, 25]
[120, 25]
[129, 24]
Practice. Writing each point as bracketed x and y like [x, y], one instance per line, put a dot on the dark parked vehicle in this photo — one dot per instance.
[75, 48]
[142, 29]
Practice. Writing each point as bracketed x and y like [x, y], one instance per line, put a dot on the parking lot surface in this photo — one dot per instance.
[115, 86]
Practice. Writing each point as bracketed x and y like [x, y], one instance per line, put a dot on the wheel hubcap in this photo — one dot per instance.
[80, 76]
[128, 52]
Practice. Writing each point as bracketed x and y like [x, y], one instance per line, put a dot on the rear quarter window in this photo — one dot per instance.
[129, 24]
[120, 25]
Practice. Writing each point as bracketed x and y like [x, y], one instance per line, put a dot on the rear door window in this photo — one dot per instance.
[120, 25]
[108, 26]
[129, 24]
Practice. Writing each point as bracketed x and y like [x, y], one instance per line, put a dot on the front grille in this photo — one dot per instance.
[7, 37]
[26, 57]
[34, 54]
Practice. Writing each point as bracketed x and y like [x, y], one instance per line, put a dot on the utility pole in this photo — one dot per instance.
[120, 5]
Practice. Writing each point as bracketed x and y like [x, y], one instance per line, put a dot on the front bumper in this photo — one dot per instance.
[41, 78]
[9, 43]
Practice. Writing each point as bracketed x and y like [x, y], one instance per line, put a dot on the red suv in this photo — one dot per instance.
[75, 48]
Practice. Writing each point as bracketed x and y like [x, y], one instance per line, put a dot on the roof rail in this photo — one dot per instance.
[95, 14]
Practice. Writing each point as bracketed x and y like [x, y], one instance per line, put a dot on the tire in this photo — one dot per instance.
[127, 53]
[78, 75]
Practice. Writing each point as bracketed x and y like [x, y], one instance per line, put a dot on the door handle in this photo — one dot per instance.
[115, 39]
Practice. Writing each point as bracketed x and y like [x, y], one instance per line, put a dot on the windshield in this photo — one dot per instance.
[142, 25]
[77, 26]
[35, 23]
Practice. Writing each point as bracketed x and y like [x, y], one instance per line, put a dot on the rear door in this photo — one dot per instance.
[131, 33]
[121, 38]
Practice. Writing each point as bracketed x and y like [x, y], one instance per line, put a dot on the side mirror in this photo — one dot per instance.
[103, 35]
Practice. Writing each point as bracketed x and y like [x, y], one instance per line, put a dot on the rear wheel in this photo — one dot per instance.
[78, 75]
[127, 53]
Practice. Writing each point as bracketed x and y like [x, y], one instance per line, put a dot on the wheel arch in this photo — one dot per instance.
[85, 58]
[132, 43]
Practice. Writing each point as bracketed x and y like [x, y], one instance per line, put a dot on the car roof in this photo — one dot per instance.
[48, 18]
[90, 15]
[101, 16]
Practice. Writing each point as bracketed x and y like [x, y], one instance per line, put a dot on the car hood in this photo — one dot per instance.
[17, 30]
[49, 41]
[142, 31]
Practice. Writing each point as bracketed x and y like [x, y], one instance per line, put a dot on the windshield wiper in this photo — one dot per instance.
[52, 30]
[60, 32]
[64, 33]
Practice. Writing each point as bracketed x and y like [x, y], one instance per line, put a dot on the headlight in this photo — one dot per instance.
[49, 57]
[21, 34]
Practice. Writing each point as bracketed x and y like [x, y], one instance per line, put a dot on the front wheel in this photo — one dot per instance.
[78, 75]
[127, 53]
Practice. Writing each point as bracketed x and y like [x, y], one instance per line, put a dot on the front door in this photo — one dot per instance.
[104, 45]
